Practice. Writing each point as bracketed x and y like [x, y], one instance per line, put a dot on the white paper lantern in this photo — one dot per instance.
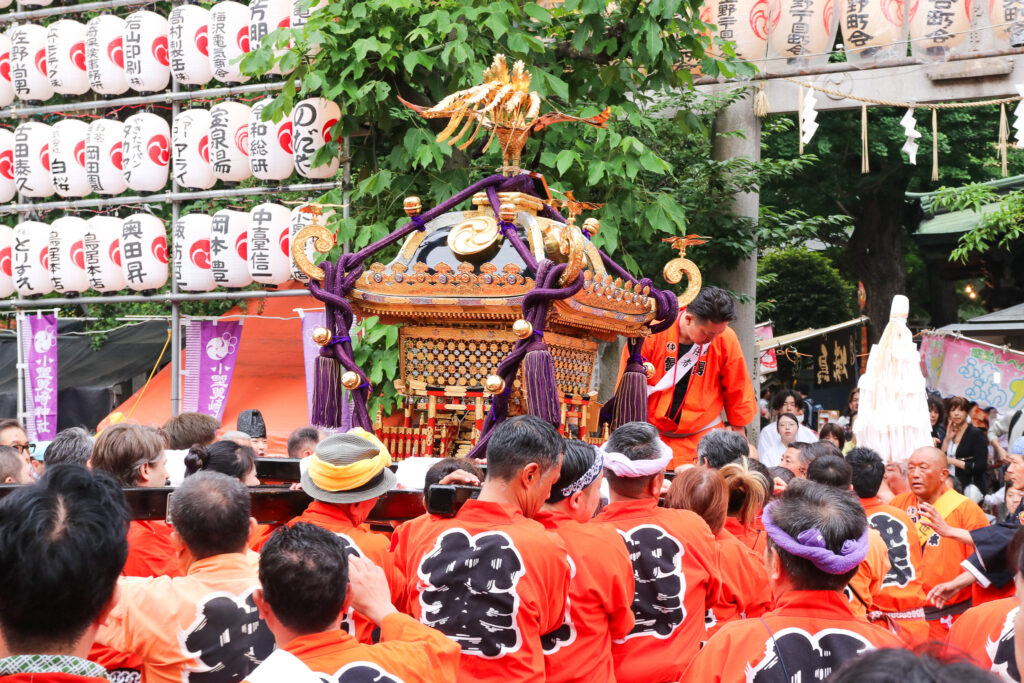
[802, 34]
[192, 253]
[28, 63]
[190, 140]
[144, 252]
[6, 3]
[30, 254]
[67, 158]
[104, 157]
[301, 10]
[188, 31]
[270, 244]
[229, 141]
[312, 120]
[229, 248]
[6, 87]
[229, 40]
[147, 152]
[270, 144]
[146, 61]
[67, 254]
[6, 270]
[7, 187]
[32, 159]
[266, 16]
[939, 28]
[103, 253]
[37, 3]
[65, 57]
[300, 219]
[104, 55]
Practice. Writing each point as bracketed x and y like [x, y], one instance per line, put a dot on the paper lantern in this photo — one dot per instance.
[103, 253]
[745, 23]
[104, 157]
[190, 140]
[6, 270]
[229, 141]
[266, 16]
[938, 28]
[300, 219]
[192, 253]
[270, 144]
[28, 63]
[30, 257]
[229, 248]
[67, 158]
[36, 3]
[802, 33]
[144, 252]
[270, 244]
[147, 152]
[312, 120]
[301, 10]
[1007, 23]
[229, 40]
[187, 33]
[67, 254]
[6, 3]
[32, 159]
[6, 87]
[65, 57]
[147, 63]
[7, 187]
[873, 31]
[104, 55]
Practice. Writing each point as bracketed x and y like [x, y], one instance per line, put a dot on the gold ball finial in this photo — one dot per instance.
[649, 369]
[350, 380]
[591, 226]
[522, 328]
[413, 206]
[322, 336]
[494, 384]
[507, 212]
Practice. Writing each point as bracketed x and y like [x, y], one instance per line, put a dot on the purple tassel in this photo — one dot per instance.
[327, 393]
[630, 399]
[541, 386]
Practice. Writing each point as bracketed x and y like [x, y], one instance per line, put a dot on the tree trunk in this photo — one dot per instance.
[876, 250]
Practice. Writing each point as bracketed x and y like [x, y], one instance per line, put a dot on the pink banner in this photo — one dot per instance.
[211, 348]
[39, 341]
[769, 362]
[991, 376]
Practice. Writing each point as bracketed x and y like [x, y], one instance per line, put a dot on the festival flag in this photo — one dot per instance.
[211, 349]
[39, 342]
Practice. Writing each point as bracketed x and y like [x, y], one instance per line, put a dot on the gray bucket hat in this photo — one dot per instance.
[342, 450]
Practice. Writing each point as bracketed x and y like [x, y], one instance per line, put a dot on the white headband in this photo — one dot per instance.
[622, 466]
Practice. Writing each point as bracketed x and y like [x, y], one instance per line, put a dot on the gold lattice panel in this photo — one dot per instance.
[461, 358]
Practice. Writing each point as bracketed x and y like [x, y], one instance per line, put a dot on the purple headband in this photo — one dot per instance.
[810, 545]
[622, 466]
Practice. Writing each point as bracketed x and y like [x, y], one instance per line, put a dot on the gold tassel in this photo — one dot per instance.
[1003, 135]
[864, 164]
[800, 119]
[935, 145]
[760, 102]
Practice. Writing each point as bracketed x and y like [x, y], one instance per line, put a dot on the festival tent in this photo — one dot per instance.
[269, 375]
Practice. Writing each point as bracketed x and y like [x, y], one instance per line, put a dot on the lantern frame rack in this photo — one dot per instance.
[81, 8]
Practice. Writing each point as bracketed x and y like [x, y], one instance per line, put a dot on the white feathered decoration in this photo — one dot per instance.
[892, 418]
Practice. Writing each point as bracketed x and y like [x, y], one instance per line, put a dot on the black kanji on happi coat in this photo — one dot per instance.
[363, 672]
[1004, 661]
[792, 654]
[228, 638]
[660, 584]
[894, 533]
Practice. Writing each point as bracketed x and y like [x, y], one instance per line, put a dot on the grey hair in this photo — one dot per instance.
[210, 511]
[719, 447]
[636, 441]
[72, 446]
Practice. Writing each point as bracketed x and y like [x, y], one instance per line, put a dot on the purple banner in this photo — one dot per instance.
[39, 339]
[310, 351]
[211, 348]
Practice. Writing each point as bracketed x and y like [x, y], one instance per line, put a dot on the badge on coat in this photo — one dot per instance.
[670, 347]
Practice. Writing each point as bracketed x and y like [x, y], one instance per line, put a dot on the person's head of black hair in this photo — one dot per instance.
[831, 470]
[71, 446]
[936, 403]
[817, 449]
[925, 665]
[836, 432]
[868, 471]
[304, 576]
[779, 472]
[210, 512]
[225, 457]
[779, 400]
[519, 441]
[713, 305]
[303, 438]
[577, 459]
[802, 388]
[719, 447]
[636, 441]
[63, 543]
[442, 468]
[839, 517]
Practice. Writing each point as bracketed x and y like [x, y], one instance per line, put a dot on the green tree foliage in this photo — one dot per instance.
[806, 289]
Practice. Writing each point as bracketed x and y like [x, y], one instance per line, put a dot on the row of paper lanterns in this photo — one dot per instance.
[229, 141]
[801, 33]
[142, 51]
[107, 254]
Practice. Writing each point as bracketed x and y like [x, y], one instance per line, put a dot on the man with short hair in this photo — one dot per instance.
[674, 557]
[13, 434]
[817, 537]
[719, 447]
[62, 546]
[929, 500]
[310, 583]
[797, 458]
[72, 445]
[203, 627]
[14, 469]
[491, 578]
[302, 442]
[191, 429]
[699, 372]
